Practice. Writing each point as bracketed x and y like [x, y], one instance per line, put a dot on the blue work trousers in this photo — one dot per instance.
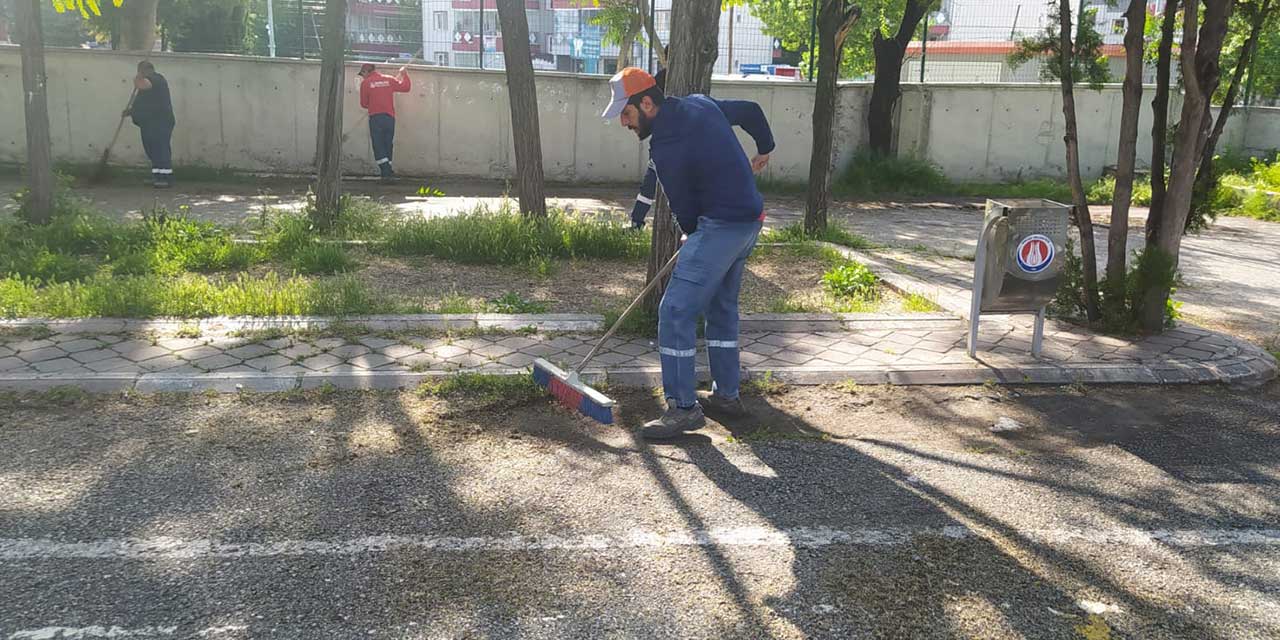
[705, 283]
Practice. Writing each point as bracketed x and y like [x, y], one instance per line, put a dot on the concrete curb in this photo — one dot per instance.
[546, 322]
[1249, 370]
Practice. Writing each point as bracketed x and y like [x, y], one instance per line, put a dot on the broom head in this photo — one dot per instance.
[570, 391]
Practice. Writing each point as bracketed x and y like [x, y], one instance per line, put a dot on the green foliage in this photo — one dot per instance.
[1088, 64]
[870, 174]
[790, 22]
[326, 258]
[512, 302]
[1260, 206]
[506, 237]
[916, 303]
[86, 8]
[795, 233]
[484, 388]
[852, 280]
[187, 296]
[1068, 301]
[1043, 188]
[218, 26]
[1103, 191]
[1121, 303]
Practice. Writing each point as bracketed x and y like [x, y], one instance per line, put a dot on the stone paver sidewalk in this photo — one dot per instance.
[928, 350]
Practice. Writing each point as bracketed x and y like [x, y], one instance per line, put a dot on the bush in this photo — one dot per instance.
[852, 280]
[1260, 206]
[870, 174]
[1103, 191]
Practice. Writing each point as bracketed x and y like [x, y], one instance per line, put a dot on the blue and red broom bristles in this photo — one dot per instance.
[571, 392]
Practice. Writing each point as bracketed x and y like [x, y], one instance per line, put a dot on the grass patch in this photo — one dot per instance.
[323, 258]
[764, 385]
[186, 296]
[916, 303]
[1103, 191]
[641, 322]
[1259, 206]
[512, 302]
[1042, 188]
[484, 388]
[505, 237]
[870, 174]
[795, 233]
[75, 246]
[188, 331]
[38, 332]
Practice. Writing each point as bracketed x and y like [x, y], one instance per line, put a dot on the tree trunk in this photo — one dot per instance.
[835, 18]
[887, 87]
[1205, 180]
[1200, 74]
[1126, 157]
[38, 204]
[695, 29]
[1160, 121]
[523, 96]
[655, 42]
[138, 26]
[329, 134]
[1084, 222]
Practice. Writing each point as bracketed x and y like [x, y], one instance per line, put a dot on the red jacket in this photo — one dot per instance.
[377, 92]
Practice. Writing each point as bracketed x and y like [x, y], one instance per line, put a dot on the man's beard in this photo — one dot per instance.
[644, 126]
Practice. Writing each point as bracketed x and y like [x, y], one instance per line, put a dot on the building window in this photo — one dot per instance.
[442, 58]
[1117, 26]
[442, 20]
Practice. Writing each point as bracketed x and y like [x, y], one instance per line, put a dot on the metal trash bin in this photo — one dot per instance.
[1019, 262]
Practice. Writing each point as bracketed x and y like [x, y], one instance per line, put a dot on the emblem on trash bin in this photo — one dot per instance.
[1035, 253]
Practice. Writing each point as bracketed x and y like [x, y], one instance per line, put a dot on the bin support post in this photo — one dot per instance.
[979, 277]
[1037, 339]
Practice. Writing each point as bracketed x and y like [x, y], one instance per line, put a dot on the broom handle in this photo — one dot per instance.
[618, 323]
[120, 125]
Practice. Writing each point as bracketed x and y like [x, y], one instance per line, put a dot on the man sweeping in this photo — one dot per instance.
[152, 111]
[378, 96]
[709, 183]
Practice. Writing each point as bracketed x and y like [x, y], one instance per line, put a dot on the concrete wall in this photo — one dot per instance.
[259, 115]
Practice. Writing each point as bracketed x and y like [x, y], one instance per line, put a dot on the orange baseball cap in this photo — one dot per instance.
[625, 84]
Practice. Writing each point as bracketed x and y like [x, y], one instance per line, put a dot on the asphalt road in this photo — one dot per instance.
[865, 513]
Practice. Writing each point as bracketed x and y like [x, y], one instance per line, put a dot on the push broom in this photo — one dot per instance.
[100, 173]
[568, 388]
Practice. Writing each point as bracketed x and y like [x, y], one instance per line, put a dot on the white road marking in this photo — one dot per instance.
[99, 631]
[179, 548]
[96, 631]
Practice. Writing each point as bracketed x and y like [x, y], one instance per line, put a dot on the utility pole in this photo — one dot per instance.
[730, 67]
[481, 36]
[924, 44]
[813, 33]
[271, 30]
[302, 30]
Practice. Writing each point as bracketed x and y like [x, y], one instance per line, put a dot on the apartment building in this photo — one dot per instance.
[564, 36]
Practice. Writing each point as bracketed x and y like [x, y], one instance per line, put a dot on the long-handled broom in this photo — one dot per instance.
[568, 388]
[100, 173]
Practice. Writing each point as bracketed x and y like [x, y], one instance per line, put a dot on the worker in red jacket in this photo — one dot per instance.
[377, 95]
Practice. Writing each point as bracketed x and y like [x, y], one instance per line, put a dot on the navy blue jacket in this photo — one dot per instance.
[697, 158]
